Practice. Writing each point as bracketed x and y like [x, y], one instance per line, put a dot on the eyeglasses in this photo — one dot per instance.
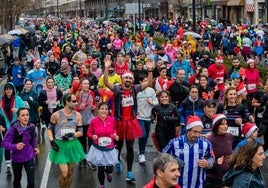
[74, 101]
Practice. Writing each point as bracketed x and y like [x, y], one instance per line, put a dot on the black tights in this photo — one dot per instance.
[101, 172]
[130, 152]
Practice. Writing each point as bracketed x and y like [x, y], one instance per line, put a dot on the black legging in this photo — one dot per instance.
[130, 152]
[101, 172]
[83, 139]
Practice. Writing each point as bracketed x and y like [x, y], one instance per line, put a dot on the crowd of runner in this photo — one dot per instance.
[163, 76]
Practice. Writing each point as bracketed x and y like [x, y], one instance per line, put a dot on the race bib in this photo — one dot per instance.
[251, 86]
[128, 101]
[52, 105]
[66, 130]
[220, 80]
[233, 130]
[104, 141]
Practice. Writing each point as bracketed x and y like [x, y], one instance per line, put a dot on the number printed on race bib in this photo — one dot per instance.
[128, 101]
[52, 105]
[251, 86]
[104, 141]
[66, 130]
[233, 130]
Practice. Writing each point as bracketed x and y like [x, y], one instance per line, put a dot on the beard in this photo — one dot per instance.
[127, 84]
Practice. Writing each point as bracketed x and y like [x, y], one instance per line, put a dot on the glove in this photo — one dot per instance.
[54, 145]
[67, 136]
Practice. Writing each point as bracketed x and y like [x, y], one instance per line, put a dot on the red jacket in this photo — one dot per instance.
[151, 184]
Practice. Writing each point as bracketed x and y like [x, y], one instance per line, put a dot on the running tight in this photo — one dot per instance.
[130, 152]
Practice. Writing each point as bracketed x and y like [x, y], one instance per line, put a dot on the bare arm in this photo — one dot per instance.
[79, 124]
[150, 68]
[107, 64]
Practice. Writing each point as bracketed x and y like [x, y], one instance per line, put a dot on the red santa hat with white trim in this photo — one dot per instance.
[128, 74]
[240, 89]
[193, 121]
[248, 128]
[219, 59]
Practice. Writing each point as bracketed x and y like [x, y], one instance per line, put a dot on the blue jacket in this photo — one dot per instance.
[185, 65]
[188, 107]
[16, 42]
[244, 178]
[13, 71]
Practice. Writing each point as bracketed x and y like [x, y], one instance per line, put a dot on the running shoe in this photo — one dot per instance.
[142, 159]
[130, 176]
[8, 172]
[109, 177]
[92, 166]
[118, 167]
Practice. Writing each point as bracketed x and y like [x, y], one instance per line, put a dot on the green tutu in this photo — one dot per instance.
[70, 151]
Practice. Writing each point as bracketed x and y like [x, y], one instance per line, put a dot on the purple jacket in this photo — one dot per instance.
[16, 134]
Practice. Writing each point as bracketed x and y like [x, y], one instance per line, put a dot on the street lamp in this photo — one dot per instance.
[194, 16]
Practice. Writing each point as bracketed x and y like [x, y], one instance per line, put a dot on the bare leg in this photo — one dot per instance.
[69, 178]
[63, 176]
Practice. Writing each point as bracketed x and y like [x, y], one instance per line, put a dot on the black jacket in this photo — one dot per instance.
[167, 118]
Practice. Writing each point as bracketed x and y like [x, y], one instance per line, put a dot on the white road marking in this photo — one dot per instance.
[46, 173]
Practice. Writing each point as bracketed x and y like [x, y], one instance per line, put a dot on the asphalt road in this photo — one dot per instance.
[47, 174]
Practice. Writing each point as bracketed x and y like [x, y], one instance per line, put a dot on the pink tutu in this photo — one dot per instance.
[128, 129]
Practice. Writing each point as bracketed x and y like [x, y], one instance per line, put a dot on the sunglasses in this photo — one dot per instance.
[74, 101]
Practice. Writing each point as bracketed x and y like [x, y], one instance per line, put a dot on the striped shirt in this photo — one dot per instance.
[192, 176]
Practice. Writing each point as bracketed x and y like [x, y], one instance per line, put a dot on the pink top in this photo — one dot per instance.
[253, 79]
[117, 43]
[102, 128]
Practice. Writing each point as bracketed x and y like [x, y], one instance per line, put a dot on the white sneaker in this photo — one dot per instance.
[142, 158]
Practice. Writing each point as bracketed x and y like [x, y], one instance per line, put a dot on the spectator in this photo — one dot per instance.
[16, 73]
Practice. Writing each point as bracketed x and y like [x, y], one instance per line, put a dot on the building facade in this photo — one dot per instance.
[235, 11]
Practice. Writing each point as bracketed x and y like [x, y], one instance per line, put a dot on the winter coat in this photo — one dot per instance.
[16, 134]
[244, 178]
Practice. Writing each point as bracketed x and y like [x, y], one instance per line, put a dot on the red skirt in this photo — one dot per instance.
[128, 129]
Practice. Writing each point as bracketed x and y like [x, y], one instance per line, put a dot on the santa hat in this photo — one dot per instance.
[36, 60]
[64, 60]
[240, 89]
[250, 61]
[215, 119]
[248, 129]
[219, 59]
[128, 74]
[193, 121]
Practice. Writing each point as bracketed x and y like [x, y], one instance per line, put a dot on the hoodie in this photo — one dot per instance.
[7, 104]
